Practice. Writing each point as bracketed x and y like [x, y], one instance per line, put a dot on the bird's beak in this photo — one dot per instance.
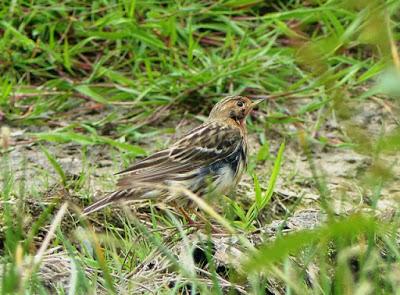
[256, 102]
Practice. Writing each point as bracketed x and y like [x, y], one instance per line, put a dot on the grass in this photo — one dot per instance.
[86, 87]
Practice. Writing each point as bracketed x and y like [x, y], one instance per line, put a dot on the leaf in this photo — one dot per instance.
[117, 77]
[86, 90]
[241, 3]
[391, 142]
[257, 190]
[238, 210]
[263, 153]
[57, 167]
[281, 248]
[62, 137]
[67, 57]
[388, 82]
[274, 176]
[147, 38]
[291, 244]
[123, 146]
[262, 201]
[372, 71]
[311, 107]
[24, 40]
[5, 90]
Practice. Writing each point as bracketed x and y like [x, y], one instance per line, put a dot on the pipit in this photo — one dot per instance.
[209, 159]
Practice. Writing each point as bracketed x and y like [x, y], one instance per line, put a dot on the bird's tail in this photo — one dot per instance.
[105, 201]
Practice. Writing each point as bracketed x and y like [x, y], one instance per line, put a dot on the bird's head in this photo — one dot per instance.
[233, 107]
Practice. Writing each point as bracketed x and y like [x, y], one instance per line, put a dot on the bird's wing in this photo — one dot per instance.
[199, 149]
[202, 146]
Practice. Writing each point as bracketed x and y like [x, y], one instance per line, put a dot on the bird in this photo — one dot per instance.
[210, 158]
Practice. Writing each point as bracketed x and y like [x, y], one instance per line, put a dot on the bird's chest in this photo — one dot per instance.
[230, 172]
[225, 179]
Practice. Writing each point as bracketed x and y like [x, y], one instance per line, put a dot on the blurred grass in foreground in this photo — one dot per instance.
[134, 63]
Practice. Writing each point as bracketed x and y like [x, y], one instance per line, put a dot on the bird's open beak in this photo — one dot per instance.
[256, 102]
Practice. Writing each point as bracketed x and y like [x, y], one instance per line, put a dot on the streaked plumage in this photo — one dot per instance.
[210, 158]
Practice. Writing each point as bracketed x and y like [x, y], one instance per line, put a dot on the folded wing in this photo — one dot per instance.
[202, 147]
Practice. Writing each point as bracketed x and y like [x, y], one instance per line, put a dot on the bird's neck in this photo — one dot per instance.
[240, 124]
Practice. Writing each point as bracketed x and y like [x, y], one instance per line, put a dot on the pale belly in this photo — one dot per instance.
[228, 178]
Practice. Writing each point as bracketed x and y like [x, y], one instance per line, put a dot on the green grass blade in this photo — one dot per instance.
[344, 229]
[274, 177]
[263, 200]
[86, 90]
[54, 163]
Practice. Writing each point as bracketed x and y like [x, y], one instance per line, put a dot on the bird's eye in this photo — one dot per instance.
[240, 103]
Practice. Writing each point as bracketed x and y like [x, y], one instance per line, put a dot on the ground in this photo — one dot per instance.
[295, 204]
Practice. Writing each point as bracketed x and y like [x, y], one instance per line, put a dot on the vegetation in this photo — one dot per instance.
[88, 86]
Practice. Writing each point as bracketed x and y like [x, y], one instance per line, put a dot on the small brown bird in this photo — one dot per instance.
[210, 158]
